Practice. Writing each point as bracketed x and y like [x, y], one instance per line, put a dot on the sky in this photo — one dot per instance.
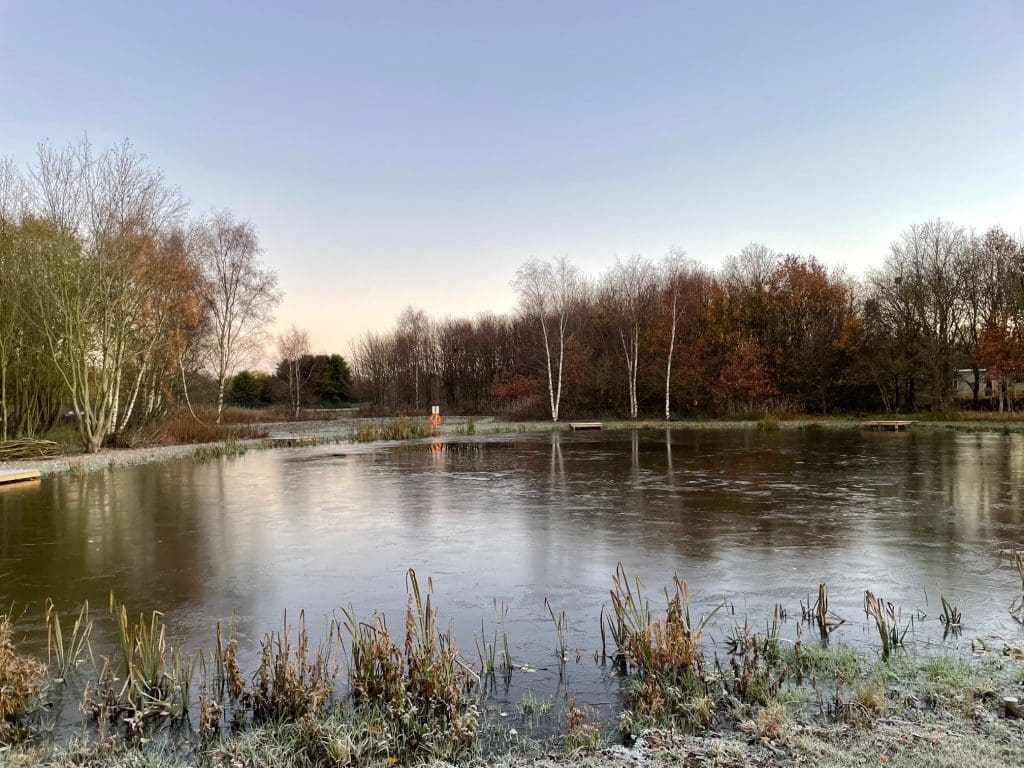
[414, 153]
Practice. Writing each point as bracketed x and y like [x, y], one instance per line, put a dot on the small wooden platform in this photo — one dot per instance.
[576, 426]
[886, 426]
[18, 475]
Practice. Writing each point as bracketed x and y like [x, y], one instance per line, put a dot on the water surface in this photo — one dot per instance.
[752, 518]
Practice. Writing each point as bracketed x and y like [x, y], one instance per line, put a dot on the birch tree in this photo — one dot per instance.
[294, 350]
[241, 296]
[414, 348]
[11, 208]
[548, 292]
[683, 288]
[629, 292]
[105, 211]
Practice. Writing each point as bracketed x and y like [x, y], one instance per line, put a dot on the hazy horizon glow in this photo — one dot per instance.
[416, 154]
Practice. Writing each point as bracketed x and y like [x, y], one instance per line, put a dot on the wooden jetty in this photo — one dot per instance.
[18, 475]
[886, 425]
[576, 426]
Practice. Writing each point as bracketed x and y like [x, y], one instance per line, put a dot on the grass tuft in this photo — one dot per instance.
[395, 429]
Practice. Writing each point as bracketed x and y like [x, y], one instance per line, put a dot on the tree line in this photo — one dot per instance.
[767, 331]
[113, 299]
[304, 381]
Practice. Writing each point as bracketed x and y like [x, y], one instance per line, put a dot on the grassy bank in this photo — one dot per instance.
[365, 695]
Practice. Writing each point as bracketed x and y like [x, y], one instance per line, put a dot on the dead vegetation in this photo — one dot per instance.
[21, 680]
[28, 448]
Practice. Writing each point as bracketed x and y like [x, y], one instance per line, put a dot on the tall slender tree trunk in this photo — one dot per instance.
[129, 408]
[551, 375]
[184, 386]
[3, 402]
[221, 384]
[668, 365]
[631, 350]
[561, 362]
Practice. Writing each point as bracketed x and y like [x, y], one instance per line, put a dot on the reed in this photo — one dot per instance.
[395, 429]
[293, 680]
[819, 614]
[144, 656]
[182, 672]
[487, 652]
[157, 677]
[951, 617]
[887, 621]
[211, 712]
[670, 643]
[561, 624]
[751, 681]
[66, 651]
[631, 613]
[416, 699]
[664, 655]
[419, 693]
[230, 447]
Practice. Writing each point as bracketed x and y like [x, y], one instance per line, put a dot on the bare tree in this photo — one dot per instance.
[413, 338]
[673, 268]
[935, 255]
[11, 207]
[630, 291]
[293, 349]
[105, 212]
[548, 292]
[241, 296]
[986, 289]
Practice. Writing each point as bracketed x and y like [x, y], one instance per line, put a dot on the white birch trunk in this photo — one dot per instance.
[668, 365]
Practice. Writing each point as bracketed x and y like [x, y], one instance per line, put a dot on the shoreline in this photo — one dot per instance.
[840, 708]
[342, 431]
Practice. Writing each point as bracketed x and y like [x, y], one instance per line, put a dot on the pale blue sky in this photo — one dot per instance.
[396, 153]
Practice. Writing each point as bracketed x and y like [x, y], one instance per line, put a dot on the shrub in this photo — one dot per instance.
[182, 428]
[21, 679]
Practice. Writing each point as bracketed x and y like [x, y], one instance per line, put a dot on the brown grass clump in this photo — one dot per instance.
[662, 653]
[769, 724]
[419, 690]
[395, 429]
[583, 734]
[270, 414]
[183, 427]
[21, 679]
[667, 644]
[292, 681]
